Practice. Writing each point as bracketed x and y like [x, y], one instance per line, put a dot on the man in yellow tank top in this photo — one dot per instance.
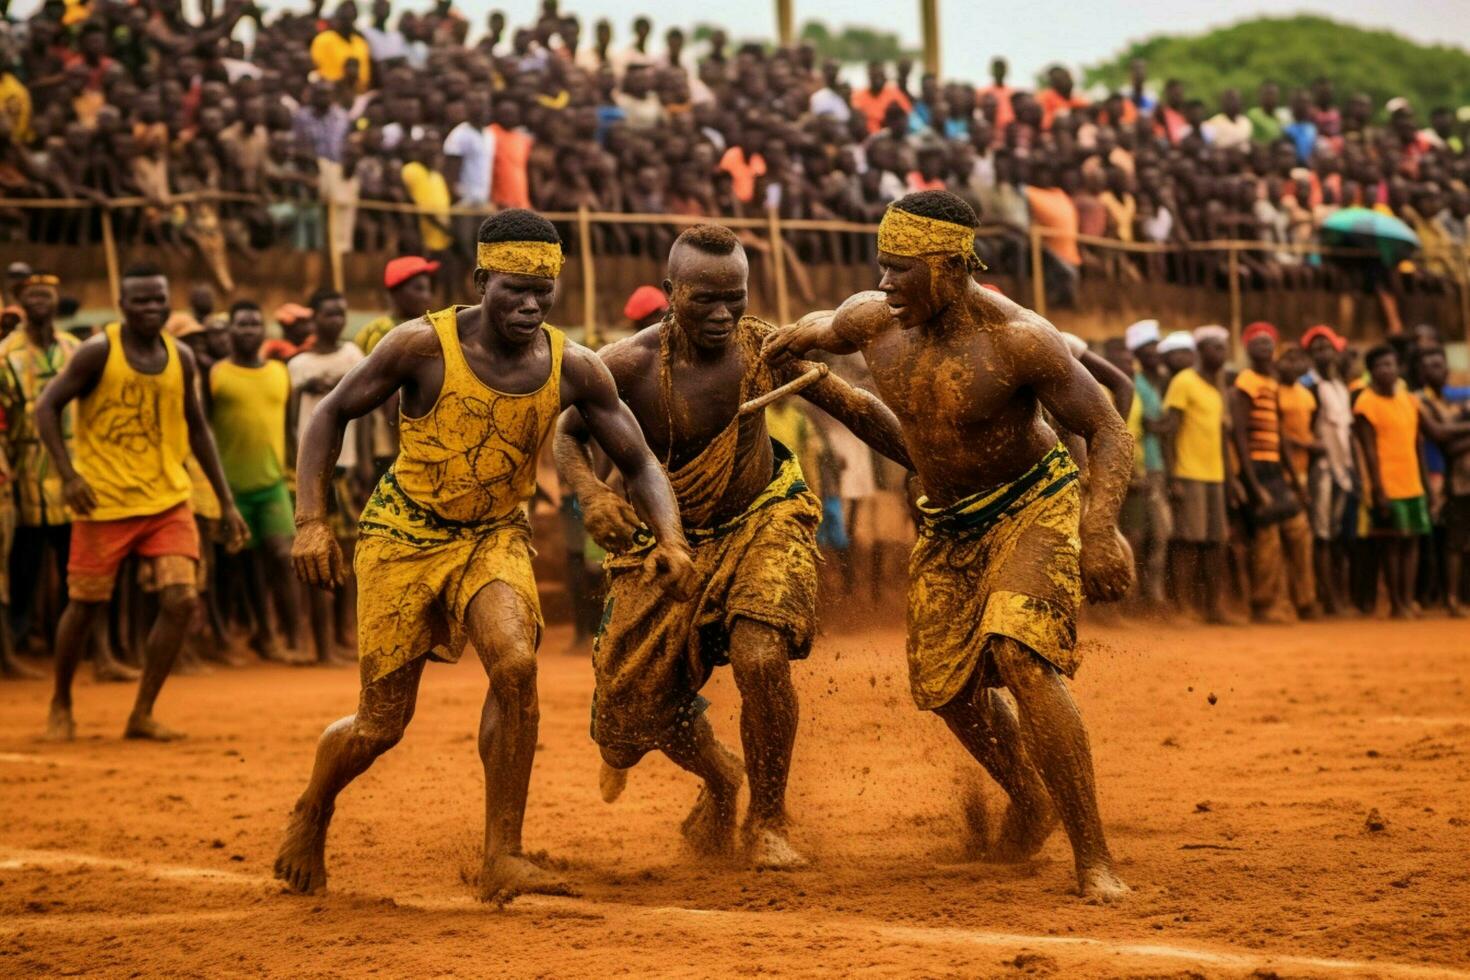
[443, 553]
[138, 419]
[752, 523]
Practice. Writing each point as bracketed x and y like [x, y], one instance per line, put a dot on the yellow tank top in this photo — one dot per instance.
[132, 437]
[472, 457]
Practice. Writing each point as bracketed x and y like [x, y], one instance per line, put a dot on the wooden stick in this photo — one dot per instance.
[789, 388]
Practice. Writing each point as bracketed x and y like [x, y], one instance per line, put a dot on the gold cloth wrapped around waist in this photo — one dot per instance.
[1002, 562]
[655, 651]
[417, 573]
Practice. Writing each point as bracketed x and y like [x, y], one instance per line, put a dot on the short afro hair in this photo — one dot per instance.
[710, 239]
[241, 305]
[143, 270]
[939, 205]
[1378, 353]
[324, 296]
[517, 225]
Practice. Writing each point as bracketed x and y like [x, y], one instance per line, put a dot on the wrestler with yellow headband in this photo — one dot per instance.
[1009, 539]
[751, 523]
[444, 551]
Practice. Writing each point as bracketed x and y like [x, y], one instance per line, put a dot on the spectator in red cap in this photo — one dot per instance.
[646, 306]
[1333, 485]
[297, 332]
[409, 280]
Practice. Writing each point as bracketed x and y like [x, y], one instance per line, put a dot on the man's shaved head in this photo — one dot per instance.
[699, 242]
[708, 273]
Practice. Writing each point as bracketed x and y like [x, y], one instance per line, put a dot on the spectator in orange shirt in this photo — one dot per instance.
[744, 162]
[1001, 92]
[510, 182]
[1058, 98]
[873, 101]
[1052, 209]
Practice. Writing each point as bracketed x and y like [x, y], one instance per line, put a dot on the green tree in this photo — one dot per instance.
[854, 43]
[1293, 51]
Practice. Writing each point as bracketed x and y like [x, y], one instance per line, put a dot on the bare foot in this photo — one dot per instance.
[1022, 833]
[611, 782]
[1099, 886]
[767, 848]
[1456, 610]
[302, 862]
[108, 669]
[191, 666]
[337, 658]
[268, 649]
[14, 669]
[710, 826]
[508, 875]
[143, 726]
[59, 725]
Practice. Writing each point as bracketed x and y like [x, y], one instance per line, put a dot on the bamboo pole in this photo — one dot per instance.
[109, 250]
[334, 257]
[1038, 273]
[1233, 259]
[590, 334]
[786, 22]
[778, 264]
[929, 17]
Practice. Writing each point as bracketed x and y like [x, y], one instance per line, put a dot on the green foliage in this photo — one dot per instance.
[854, 43]
[1293, 51]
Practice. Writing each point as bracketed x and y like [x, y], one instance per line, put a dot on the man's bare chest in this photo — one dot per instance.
[937, 385]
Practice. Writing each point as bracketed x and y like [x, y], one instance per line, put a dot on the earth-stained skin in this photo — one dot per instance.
[504, 347]
[968, 372]
[685, 380]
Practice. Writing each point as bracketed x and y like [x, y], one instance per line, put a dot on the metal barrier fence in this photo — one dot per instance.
[1124, 276]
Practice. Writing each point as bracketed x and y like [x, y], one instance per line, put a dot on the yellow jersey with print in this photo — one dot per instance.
[471, 459]
[132, 437]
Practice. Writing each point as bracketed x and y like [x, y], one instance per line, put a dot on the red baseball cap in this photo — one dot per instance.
[1323, 330]
[1257, 329]
[405, 267]
[645, 301]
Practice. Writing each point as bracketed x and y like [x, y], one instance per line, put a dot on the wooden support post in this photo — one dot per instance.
[778, 267]
[590, 334]
[109, 250]
[334, 258]
[786, 22]
[1038, 273]
[1233, 268]
[929, 18]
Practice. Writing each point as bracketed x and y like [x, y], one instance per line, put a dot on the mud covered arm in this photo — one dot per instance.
[588, 387]
[839, 331]
[1118, 384]
[861, 411]
[1078, 403]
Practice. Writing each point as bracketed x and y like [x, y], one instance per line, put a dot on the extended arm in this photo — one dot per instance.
[839, 331]
[76, 379]
[1440, 431]
[1368, 444]
[1066, 390]
[861, 411]
[201, 444]
[316, 555]
[1118, 384]
[588, 387]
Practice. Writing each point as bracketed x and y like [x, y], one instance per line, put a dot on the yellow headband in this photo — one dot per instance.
[904, 233]
[520, 258]
[40, 279]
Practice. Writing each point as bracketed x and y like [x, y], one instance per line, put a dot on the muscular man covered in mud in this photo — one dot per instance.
[751, 522]
[1008, 539]
[444, 549]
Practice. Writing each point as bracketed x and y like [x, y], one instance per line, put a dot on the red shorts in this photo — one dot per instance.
[170, 542]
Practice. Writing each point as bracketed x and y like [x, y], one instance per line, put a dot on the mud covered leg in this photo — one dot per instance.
[987, 727]
[1056, 742]
[346, 750]
[760, 658]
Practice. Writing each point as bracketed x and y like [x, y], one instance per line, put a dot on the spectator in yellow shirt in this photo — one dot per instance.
[340, 43]
[423, 178]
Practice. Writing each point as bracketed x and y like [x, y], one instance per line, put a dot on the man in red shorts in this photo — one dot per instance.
[138, 419]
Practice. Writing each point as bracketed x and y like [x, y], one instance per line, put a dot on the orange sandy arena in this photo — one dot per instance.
[1242, 826]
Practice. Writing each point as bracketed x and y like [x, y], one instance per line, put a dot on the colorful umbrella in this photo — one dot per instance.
[1361, 228]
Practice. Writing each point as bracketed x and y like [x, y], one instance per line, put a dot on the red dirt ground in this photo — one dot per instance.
[1237, 769]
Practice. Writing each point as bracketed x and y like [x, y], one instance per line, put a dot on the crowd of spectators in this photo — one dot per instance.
[109, 99]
